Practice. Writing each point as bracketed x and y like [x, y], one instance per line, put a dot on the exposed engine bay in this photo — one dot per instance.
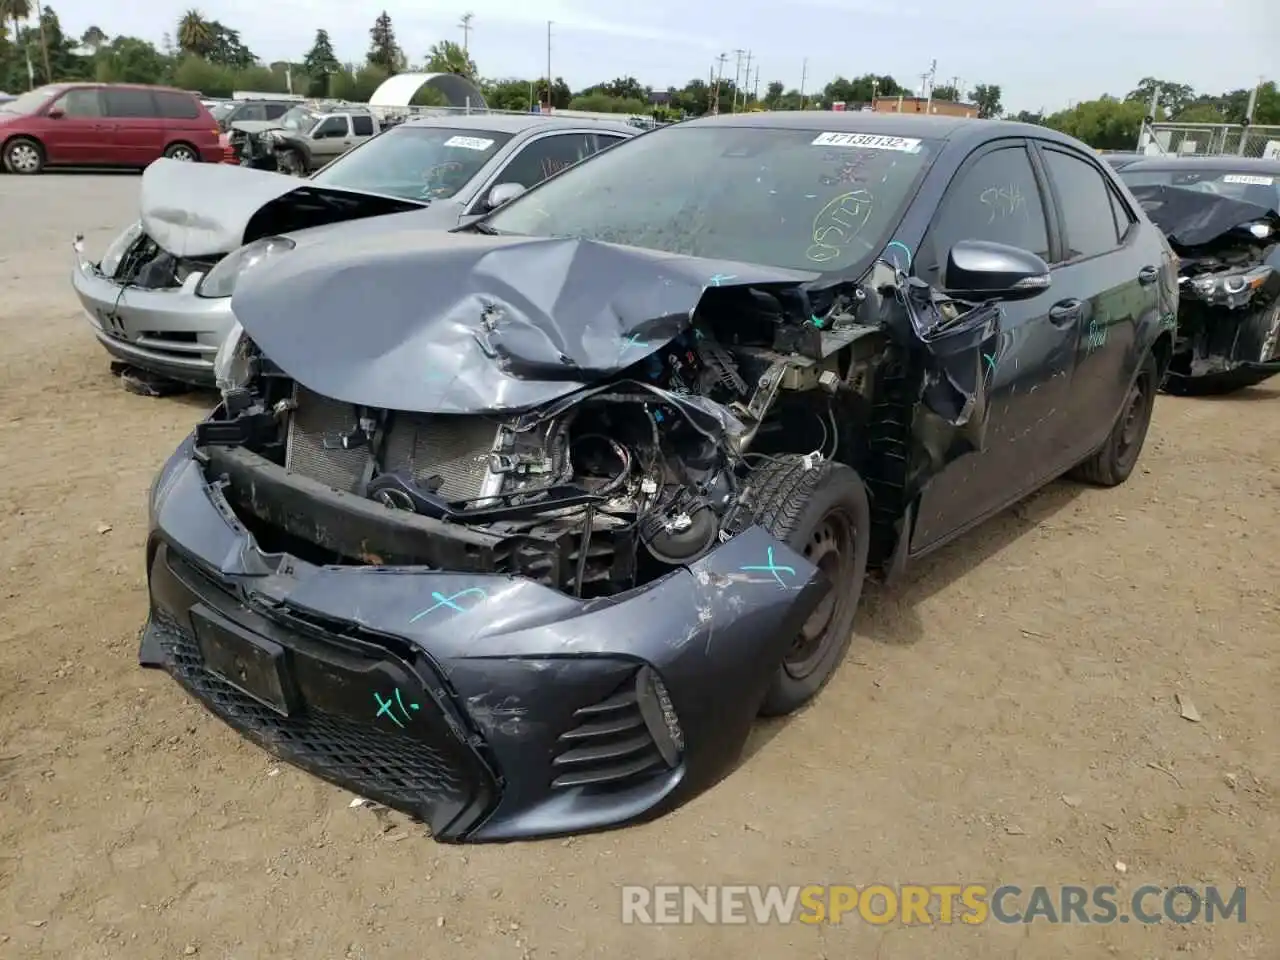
[616, 483]
[1229, 284]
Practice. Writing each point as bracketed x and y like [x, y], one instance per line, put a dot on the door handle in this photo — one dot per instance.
[1148, 276]
[1065, 312]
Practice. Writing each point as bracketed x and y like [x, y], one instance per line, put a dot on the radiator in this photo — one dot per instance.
[453, 448]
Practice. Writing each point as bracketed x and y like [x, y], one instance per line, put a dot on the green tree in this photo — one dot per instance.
[601, 102]
[946, 92]
[94, 38]
[130, 60]
[986, 96]
[320, 64]
[384, 52]
[18, 11]
[1028, 116]
[226, 48]
[1106, 123]
[509, 93]
[195, 35]
[449, 57]
[773, 94]
[1173, 98]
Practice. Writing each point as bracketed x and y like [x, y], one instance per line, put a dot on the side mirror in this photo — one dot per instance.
[502, 193]
[984, 270]
[56, 113]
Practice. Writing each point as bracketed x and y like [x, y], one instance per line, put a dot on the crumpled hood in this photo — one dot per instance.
[438, 322]
[1192, 218]
[205, 209]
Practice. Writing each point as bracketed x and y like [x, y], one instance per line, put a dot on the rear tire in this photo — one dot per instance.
[824, 515]
[23, 155]
[1112, 464]
[182, 151]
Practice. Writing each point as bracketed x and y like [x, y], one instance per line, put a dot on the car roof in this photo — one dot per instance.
[1220, 162]
[516, 123]
[958, 130]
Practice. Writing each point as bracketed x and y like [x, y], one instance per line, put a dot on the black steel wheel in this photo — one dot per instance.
[1112, 464]
[823, 514]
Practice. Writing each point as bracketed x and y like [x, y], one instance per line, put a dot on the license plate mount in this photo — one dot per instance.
[255, 665]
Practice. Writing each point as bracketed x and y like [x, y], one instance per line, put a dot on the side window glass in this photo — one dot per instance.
[362, 125]
[177, 106]
[995, 199]
[129, 103]
[253, 111]
[332, 127]
[276, 110]
[81, 103]
[1123, 219]
[1086, 205]
[545, 157]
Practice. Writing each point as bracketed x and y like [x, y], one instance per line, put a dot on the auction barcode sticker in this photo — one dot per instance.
[867, 141]
[1249, 178]
[469, 143]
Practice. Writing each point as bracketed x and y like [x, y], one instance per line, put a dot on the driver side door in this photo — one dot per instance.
[1000, 194]
[330, 139]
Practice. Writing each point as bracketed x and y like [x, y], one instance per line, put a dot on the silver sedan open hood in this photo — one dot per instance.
[205, 209]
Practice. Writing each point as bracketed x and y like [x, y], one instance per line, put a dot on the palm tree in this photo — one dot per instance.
[194, 33]
[94, 38]
[17, 11]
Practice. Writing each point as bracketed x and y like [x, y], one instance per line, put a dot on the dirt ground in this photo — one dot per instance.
[1038, 659]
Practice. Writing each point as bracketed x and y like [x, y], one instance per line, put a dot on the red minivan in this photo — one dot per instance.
[104, 124]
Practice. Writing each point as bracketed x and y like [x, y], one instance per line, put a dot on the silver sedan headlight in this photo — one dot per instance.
[234, 363]
[121, 245]
[222, 279]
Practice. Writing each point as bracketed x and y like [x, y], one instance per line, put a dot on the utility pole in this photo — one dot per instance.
[715, 97]
[737, 75]
[549, 22]
[1248, 116]
[755, 87]
[804, 76]
[465, 24]
[746, 82]
[933, 71]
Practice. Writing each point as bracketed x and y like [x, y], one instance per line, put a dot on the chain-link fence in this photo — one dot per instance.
[1211, 139]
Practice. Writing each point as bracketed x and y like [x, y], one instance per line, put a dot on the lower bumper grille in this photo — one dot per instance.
[421, 778]
[453, 448]
[610, 744]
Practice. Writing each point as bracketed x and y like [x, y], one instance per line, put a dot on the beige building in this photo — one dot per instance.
[944, 108]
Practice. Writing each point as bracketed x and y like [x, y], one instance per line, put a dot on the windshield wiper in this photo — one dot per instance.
[480, 227]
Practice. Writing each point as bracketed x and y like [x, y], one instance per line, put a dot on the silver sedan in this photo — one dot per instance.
[159, 298]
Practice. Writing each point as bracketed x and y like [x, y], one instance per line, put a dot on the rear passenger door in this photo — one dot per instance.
[1101, 269]
[998, 195]
[139, 129]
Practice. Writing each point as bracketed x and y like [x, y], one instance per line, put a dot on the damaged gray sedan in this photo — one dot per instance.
[517, 528]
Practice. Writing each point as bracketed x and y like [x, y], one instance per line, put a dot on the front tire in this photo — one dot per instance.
[1112, 464]
[25, 156]
[292, 163]
[824, 515]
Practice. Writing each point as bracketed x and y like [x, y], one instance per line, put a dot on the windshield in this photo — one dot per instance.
[800, 199]
[299, 119]
[32, 100]
[417, 163]
[1260, 188]
[221, 111]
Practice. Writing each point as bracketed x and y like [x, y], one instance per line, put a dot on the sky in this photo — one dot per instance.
[1043, 56]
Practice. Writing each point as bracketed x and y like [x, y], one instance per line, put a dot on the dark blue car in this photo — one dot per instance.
[519, 527]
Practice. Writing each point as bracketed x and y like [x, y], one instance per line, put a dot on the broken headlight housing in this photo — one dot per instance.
[222, 279]
[235, 362]
[121, 245]
[1231, 290]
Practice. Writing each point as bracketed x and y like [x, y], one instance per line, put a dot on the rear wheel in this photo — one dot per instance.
[1111, 465]
[822, 514]
[23, 155]
[182, 151]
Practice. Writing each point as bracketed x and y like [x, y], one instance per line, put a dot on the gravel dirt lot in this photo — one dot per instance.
[1007, 715]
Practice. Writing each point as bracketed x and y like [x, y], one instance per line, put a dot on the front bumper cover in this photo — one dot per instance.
[512, 680]
[1242, 345]
[172, 333]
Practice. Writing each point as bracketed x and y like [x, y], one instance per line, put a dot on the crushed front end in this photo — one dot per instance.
[1228, 320]
[546, 617]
